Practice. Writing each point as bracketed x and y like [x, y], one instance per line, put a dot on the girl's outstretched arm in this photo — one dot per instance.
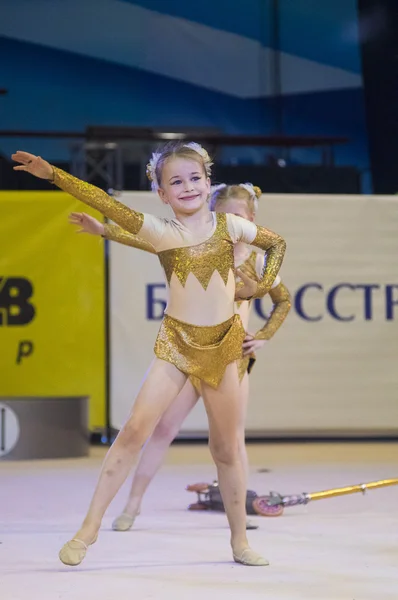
[129, 219]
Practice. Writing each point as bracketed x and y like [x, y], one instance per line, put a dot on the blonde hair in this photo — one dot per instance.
[244, 191]
[180, 149]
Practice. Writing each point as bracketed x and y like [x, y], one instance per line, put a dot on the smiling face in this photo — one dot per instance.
[184, 185]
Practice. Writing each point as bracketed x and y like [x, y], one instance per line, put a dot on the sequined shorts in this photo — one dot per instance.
[199, 351]
[245, 365]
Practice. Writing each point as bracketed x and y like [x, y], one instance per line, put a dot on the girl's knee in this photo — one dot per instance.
[133, 433]
[165, 431]
[225, 453]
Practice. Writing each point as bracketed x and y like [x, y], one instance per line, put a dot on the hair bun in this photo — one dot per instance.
[257, 191]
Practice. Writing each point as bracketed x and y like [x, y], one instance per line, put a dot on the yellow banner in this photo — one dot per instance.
[52, 302]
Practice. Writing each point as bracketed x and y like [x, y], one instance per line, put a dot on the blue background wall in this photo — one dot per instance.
[72, 63]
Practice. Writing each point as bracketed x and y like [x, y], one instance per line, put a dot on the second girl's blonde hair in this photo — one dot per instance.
[243, 191]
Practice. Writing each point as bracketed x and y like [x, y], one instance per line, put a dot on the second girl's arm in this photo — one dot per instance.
[115, 233]
[271, 243]
[281, 306]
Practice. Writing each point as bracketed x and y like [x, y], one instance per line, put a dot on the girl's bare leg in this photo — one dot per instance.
[223, 410]
[244, 398]
[162, 385]
[154, 452]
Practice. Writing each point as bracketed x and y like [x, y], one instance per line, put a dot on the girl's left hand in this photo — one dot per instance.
[250, 344]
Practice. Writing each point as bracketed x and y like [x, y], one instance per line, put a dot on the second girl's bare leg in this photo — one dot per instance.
[162, 384]
[154, 452]
[244, 399]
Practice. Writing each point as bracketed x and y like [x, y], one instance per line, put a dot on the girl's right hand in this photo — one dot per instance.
[33, 164]
[87, 223]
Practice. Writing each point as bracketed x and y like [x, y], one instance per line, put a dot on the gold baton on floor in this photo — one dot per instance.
[275, 498]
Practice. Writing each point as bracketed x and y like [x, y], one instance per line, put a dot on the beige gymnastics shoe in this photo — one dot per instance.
[124, 522]
[250, 558]
[73, 552]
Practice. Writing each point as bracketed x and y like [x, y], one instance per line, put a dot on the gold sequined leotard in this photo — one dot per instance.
[252, 266]
[200, 333]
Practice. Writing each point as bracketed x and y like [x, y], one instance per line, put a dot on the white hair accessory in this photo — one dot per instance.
[217, 188]
[213, 194]
[249, 188]
[151, 171]
[203, 153]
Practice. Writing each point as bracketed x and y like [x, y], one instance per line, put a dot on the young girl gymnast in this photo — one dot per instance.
[200, 335]
[241, 200]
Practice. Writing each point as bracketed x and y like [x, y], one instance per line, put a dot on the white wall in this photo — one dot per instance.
[318, 376]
